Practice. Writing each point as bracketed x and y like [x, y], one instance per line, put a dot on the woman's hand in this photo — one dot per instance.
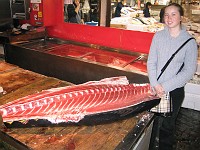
[159, 90]
[82, 21]
[77, 4]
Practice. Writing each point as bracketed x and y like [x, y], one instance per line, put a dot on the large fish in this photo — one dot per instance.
[73, 103]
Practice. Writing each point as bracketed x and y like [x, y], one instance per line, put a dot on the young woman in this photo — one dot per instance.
[146, 10]
[163, 45]
[118, 8]
[73, 11]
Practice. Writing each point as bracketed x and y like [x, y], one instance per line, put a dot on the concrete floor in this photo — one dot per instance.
[188, 129]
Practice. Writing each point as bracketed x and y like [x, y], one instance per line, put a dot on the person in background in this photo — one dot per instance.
[118, 8]
[74, 13]
[146, 10]
[173, 80]
[156, 2]
[94, 14]
[162, 15]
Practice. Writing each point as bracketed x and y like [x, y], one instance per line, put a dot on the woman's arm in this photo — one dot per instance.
[152, 62]
[190, 64]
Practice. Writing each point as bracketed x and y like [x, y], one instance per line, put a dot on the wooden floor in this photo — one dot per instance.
[18, 82]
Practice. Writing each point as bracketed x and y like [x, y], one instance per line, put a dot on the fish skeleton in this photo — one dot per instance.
[73, 103]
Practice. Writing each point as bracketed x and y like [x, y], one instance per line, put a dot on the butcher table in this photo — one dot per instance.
[123, 134]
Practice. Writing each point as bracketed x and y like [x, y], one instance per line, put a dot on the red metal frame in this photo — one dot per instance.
[53, 12]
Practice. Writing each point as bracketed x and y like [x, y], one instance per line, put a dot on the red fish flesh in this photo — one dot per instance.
[73, 103]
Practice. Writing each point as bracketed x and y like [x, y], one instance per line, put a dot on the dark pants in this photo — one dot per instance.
[163, 131]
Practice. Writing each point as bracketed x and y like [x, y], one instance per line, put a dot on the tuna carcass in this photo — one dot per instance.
[73, 103]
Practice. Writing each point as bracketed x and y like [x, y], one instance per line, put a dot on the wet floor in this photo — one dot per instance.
[188, 129]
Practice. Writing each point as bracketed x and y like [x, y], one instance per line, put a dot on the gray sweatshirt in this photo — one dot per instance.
[162, 47]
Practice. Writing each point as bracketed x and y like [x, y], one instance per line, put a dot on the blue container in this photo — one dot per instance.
[92, 23]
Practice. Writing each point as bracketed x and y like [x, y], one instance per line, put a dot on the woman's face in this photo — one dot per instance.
[172, 17]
